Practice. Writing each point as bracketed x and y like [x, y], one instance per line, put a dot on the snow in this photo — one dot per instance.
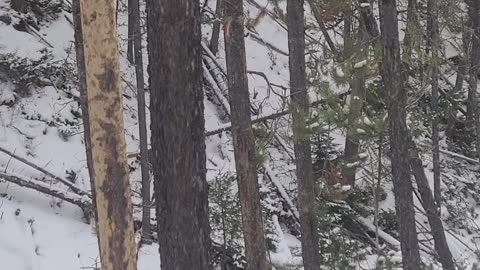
[360, 64]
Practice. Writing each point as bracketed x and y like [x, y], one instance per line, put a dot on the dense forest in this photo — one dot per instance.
[239, 134]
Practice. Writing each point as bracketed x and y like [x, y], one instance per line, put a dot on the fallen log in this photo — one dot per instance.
[83, 202]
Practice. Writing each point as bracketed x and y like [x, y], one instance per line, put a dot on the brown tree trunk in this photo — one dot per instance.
[178, 133]
[142, 122]
[214, 40]
[303, 153]
[82, 88]
[391, 69]
[108, 146]
[436, 225]
[243, 140]
[434, 42]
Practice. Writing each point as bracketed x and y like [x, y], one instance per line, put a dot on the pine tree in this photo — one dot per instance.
[391, 71]
[178, 133]
[243, 139]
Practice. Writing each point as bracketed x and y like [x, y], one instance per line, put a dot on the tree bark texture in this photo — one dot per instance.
[396, 99]
[302, 148]
[142, 121]
[108, 146]
[178, 133]
[243, 140]
[217, 24]
[473, 114]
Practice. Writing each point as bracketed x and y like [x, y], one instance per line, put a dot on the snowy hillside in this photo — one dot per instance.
[40, 122]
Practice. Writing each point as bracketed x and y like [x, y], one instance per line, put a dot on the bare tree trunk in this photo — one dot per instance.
[472, 110]
[177, 112]
[436, 225]
[214, 40]
[412, 27]
[461, 73]
[434, 42]
[318, 17]
[142, 121]
[302, 148]
[82, 88]
[130, 31]
[243, 140]
[108, 146]
[391, 69]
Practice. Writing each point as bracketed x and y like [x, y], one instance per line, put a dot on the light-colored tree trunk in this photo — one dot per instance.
[108, 146]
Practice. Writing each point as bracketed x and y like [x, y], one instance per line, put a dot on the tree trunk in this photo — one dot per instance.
[303, 156]
[178, 133]
[411, 30]
[82, 88]
[108, 146]
[461, 73]
[142, 121]
[391, 69]
[243, 140]
[472, 109]
[316, 10]
[214, 40]
[130, 31]
[436, 225]
[434, 42]
[357, 96]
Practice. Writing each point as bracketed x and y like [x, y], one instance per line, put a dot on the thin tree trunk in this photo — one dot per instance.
[130, 31]
[302, 148]
[461, 73]
[436, 225]
[82, 88]
[142, 122]
[472, 110]
[434, 41]
[357, 97]
[243, 140]
[217, 24]
[108, 146]
[391, 69]
[318, 17]
[178, 133]
[412, 27]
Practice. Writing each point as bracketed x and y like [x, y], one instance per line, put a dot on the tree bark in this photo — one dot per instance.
[178, 133]
[473, 114]
[108, 146]
[412, 27]
[142, 121]
[430, 206]
[82, 88]
[130, 31]
[434, 42]
[217, 24]
[391, 70]
[302, 148]
[243, 140]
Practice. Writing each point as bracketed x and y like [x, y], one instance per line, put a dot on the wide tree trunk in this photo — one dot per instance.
[108, 146]
[391, 69]
[302, 148]
[142, 121]
[243, 140]
[178, 133]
